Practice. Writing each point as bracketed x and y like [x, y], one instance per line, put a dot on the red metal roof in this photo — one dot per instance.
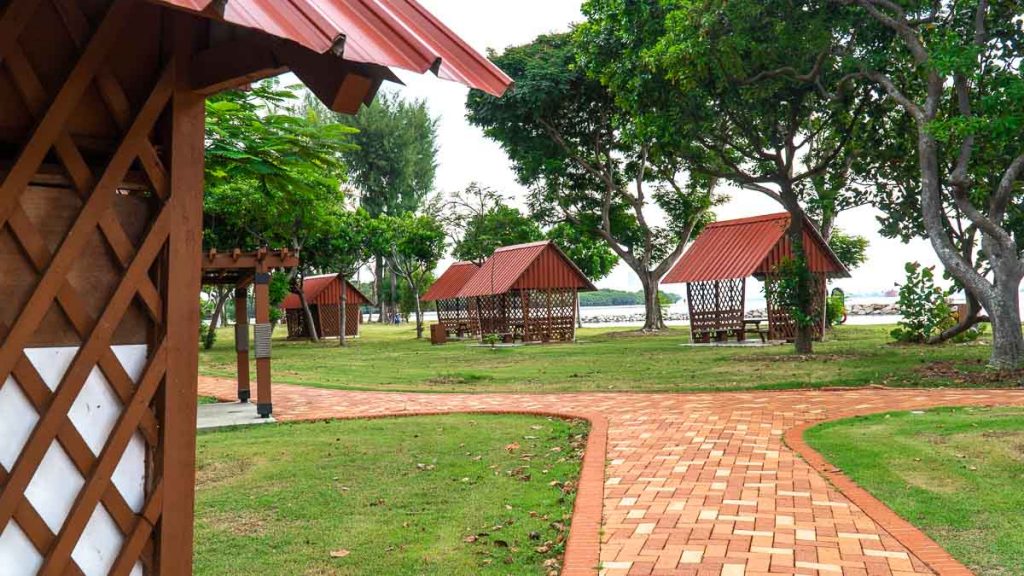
[538, 265]
[324, 290]
[747, 246]
[398, 33]
[451, 282]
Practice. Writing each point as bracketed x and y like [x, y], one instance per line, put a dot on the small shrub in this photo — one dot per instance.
[835, 309]
[491, 339]
[923, 306]
[790, 272]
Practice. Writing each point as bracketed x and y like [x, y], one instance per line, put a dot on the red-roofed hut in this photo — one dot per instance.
[725, 254]
[526, 292]
[453, 310]
[101, 203]
[323, 293]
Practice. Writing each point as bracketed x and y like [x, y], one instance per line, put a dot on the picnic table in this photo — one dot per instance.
[755, 324]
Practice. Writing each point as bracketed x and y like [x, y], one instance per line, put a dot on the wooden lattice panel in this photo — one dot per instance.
[551, 315]
[454, 315]
[780, 323]
[100, 219]
[329, 320]
[716, 308]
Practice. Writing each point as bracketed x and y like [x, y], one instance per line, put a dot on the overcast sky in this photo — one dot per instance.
[467, 156]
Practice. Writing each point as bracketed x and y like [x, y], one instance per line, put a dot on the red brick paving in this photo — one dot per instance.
[699, 484]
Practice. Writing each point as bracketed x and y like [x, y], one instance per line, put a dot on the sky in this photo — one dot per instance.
[466, 155]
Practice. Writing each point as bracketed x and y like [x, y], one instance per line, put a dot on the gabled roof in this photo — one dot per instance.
[394, 33]
[538, 265]
[324, 290]
[451, 282]
[746, 246]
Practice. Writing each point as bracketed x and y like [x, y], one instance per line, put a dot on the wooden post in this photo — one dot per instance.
[343, 312]
[264, 403]
[184, 276]
[242, 342]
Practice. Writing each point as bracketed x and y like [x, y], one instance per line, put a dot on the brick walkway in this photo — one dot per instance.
[699, 484]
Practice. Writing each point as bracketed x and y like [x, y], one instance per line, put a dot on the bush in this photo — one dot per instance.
[835, 309]
[923, 306]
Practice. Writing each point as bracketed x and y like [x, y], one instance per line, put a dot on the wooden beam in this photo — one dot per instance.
[340, 84]
[234, 64]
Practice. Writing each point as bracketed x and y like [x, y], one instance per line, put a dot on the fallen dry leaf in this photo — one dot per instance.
[340, 553]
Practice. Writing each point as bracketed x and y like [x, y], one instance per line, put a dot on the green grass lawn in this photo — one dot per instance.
[424, 495]
[957, 474]
[390, 358]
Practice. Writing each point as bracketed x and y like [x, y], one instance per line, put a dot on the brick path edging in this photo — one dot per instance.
[583, 548]
[916, 541]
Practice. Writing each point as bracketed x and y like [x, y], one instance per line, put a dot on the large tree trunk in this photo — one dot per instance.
[1004, 310]
[419, 312]
[1000, 299]
[653, 320]
[378, 284]
[393, 302]
[306, 312]
[804, 330]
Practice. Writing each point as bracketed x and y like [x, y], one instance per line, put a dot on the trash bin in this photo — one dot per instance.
[438, 334]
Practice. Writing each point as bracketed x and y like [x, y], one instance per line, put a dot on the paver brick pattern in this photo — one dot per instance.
[696, 484]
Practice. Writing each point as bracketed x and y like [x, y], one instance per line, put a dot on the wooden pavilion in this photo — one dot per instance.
[241, 270]
[716, 266]
[101, 198]
[526, 292]
[323, 293]
[453, 310]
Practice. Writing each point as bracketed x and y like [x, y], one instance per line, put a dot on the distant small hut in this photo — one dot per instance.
[323, 293]
[526, 292]
[716, 266]
[453, 310]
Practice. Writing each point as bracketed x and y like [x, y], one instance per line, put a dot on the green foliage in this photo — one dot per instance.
[608, 297]
[851, 249]
[589, 252]
[394, 163]
[278, 291]
[500, 226]
[273, 169]
[924, 307]
[790, 276]
[585, 159]
[835, 309]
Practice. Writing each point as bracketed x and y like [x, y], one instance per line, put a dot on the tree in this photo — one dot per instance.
[953, 70]
[500, 226]
[354, 250]
[393, 164]
[748, 91]
[413, 245]
[274, 172]
[849, 248]
[587, 164]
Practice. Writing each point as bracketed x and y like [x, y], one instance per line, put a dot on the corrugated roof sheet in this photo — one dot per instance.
[447, 287]
[538, 265]
[740, 248]
[324, 290]
[398, 33]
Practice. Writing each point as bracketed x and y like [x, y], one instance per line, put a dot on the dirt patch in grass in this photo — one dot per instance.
[456, 378]
[970, 373]
[218, 472]
[794, 358]
[930, 481]
[239, 522]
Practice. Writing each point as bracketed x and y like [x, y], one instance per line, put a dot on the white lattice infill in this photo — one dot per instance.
[56, 484]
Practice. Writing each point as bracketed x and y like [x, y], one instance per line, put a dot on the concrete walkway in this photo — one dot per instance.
[228, 414]
[699, 484]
